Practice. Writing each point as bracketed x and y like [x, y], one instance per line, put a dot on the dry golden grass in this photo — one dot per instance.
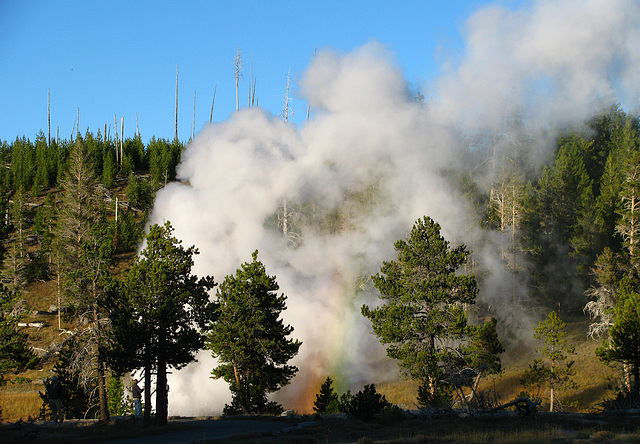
[591, 376]
[402, 393]
[16, 405]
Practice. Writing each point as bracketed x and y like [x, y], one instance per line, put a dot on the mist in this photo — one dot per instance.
[324, 203]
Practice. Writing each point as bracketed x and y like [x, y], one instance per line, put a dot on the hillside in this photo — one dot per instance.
[593, 377]
[20, 399]
[43, 323]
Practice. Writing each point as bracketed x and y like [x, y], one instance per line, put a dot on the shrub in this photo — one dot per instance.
[391, 414]
[367, 403]
[440, 399]
[327, 399]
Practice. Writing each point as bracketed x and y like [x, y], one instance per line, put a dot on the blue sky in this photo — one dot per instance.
[119, 57]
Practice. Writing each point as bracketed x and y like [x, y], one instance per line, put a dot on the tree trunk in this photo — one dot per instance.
[551, 399]
[176, 136]
[239, 391]
[147, 389]
[635, 383]
[161, 392]
[102, 392]
[474, 386]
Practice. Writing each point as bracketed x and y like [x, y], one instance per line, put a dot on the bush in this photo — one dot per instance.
[391, 414]
[367, 403]
[441, 399]
[622, 399]
[326, 398]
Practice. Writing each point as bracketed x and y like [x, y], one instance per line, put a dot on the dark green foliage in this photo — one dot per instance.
[134, 155]
[425, 297]
[118, 403]
[555, 370]
[484, 349]
[109, 166]
[430, 399]
[250, 340]
[624, 344]
[127, 232]
[77, 402]
[158, 313]
[472, 361]
[163, 160]
[367, 403]
[325, 398]
[45, 223]
[15, 354]
[140, 193]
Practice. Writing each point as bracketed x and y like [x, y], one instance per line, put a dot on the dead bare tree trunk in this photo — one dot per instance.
[121, 138]
[213, 101]
[193, 126]
[176, 136]
[115, 128]
[238, 66]
[49, 116]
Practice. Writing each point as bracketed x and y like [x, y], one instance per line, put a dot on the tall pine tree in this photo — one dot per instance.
[250, 340]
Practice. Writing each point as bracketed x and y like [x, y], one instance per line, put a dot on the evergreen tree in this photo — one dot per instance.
[250, 341]
[624, 344]
[85, 251]
[482, 353]
[77, 401]
[15, 263]
[158, 314]
[555, 370]
[15, 353]
[325, 398]
[425, 297]
[41, 177]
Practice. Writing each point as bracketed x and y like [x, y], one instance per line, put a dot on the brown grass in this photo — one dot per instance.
[16, 405]
[591, 376]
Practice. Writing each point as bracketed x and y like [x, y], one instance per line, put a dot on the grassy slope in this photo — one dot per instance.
[20, 398]
[591, 375]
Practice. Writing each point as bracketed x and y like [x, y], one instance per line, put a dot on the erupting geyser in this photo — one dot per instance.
[324, 204]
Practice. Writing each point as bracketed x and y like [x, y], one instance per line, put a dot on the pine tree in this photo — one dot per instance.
[624, 344]
[555, 370]
[159, 313]
[325, 398]
[15, 353]
[250, 340]
[425, 297]
[85, 252]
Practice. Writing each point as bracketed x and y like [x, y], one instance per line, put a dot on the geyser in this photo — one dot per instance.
[324, 204]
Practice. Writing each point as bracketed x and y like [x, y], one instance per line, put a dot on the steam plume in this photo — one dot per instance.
[368, 165]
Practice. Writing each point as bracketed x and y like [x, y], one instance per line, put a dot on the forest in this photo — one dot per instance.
[76, 211]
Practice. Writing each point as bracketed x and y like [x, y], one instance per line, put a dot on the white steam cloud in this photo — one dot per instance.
[370, 163]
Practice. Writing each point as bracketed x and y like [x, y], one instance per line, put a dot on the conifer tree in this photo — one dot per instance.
[85, 253]
[325, 398]
[159, 313]
[425, 297]
[250, 340]
[555, 370]
[15, 353]
[624, 344]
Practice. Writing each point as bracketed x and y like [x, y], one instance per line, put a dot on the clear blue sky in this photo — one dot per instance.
[119, 57]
